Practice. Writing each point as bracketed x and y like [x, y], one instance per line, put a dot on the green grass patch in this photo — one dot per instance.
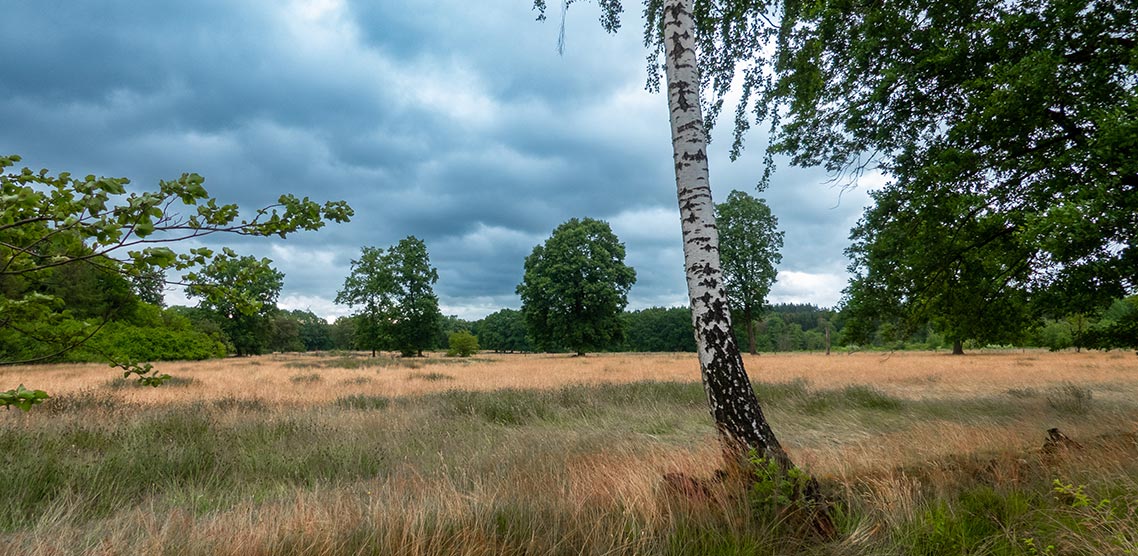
[500, 407]
[855, 397]
[360, 401]
[431, 376]
[311, 378]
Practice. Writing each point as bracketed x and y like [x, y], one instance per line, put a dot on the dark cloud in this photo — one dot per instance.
[450, 121]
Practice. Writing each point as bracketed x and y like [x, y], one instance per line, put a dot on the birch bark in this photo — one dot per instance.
[732, 401]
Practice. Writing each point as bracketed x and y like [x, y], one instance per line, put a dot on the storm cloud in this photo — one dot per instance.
[456, 122]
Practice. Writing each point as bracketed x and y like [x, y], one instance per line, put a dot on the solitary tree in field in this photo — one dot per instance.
[366, 289]
[415, 322]
[394, 296]
[575, 287]
[749, 243]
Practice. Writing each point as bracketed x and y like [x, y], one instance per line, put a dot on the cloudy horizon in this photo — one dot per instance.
[456, 123]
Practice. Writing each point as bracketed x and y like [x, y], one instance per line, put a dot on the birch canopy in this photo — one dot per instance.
[1031, 105]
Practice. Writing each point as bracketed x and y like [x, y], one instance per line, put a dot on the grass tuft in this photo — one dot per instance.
[233, 403]
[1023, 393]
[357, 381]
[311, 378]
[84, 400]
[431, 376]
[363, 402]
[1070, 398]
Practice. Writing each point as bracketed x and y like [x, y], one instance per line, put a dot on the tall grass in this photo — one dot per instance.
[569, 469]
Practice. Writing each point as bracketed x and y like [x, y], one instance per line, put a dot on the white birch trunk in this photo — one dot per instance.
[732, 400]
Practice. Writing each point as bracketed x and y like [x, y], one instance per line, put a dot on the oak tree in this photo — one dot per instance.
[241, 293]
[416, 318]
[1024, 115]
[575, 286]
[943, 260]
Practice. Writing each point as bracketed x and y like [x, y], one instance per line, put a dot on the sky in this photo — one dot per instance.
[457, 122]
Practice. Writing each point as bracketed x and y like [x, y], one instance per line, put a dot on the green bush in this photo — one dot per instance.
[462, 344]
[121, 341]
[1055, 335]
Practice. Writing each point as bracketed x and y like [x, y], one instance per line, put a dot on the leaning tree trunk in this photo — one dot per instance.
[736, 411]
[734, 406]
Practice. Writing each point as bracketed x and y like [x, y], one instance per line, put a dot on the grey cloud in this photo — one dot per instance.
[453, 121]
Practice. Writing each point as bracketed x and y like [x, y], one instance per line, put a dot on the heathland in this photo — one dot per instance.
[340, 453]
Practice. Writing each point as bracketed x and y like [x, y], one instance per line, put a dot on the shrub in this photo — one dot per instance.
[121, 341]
[462, 344]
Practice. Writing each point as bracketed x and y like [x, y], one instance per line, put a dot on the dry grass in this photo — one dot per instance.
[910, 375]
[569, 478]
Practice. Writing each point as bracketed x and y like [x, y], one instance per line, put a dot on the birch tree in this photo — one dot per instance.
[738, 416]
[732, 401]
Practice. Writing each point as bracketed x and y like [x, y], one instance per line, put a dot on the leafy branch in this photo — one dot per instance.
[22, 398]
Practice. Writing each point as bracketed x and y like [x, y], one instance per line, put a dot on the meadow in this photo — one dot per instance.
[340, 453]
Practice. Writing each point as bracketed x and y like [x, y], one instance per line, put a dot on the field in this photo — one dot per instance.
[921, 453]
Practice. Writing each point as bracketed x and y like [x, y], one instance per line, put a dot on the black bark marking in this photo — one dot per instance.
[683, 91]
[698, 156]
[692, 125]
[709, 283]
[678, 50]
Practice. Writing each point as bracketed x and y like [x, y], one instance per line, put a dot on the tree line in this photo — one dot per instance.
[573, 294]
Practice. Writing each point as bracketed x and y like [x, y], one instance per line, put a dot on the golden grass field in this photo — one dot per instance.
[569, 482]
[910, 375]
[278, 379]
